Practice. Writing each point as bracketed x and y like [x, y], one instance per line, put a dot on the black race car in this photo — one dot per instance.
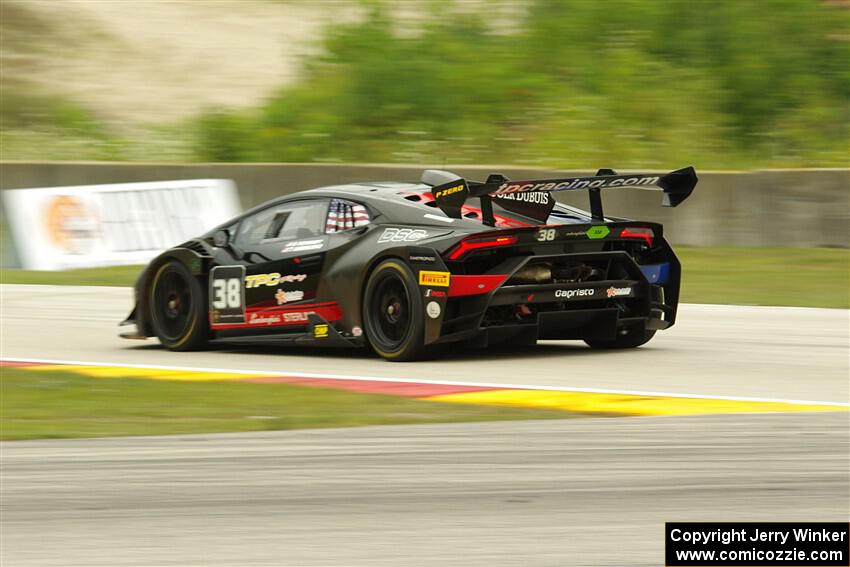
[408, 267]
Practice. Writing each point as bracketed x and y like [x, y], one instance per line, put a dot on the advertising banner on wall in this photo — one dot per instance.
[56, 228]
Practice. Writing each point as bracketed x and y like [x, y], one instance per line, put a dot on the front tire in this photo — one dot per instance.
[393, 313]
[178, 308]
[632, 339]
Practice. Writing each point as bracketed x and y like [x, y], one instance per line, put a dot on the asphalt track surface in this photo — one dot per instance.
[548, 493]
[716, 350]
[572, 492]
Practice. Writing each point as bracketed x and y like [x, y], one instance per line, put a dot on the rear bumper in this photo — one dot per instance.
[600, 323]
[643, 298]
[584, 324]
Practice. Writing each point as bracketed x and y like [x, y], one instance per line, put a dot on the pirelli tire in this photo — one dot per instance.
[394, 312]
[178, 311]
[632, 339]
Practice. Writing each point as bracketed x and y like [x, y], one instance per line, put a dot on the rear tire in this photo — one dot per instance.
[177, 305]
[632, 339]
[393, 312]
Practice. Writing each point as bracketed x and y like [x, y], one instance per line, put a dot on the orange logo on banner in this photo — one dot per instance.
[70, 224]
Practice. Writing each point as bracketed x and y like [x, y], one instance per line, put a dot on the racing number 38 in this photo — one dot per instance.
[546, 234]
[227, 294]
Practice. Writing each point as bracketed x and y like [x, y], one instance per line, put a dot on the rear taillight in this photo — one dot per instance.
[466, 246]
[644, 234]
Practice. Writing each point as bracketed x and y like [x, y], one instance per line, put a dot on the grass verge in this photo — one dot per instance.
[801, 277]
[38, 404]
[112, 276]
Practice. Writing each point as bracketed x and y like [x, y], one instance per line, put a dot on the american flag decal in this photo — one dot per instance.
[345, 215]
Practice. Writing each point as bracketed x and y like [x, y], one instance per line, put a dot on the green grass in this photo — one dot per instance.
[803, 277]
[37, 404]
[111, 276]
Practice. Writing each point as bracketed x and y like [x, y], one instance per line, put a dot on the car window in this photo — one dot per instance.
[287, 221]
[345, 215]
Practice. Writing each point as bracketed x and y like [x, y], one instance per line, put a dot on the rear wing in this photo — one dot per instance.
[533, 197]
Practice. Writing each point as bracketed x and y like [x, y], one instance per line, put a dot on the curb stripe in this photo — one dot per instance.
[483, 385]
[578, 400]
[407, 389]
[148, 373]
[583, 402]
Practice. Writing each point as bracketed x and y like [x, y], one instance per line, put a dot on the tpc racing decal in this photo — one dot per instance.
[272, 279]
[227, 294]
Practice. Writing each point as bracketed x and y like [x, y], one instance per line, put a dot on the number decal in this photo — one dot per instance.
[234, 293]
[546, 234]
[219, 301]
[227, 294]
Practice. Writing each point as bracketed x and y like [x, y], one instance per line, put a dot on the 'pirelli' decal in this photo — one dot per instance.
[434, 279]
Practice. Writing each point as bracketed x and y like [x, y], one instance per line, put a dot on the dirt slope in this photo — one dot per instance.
[158, 61]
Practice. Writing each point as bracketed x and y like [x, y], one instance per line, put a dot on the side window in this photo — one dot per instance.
[286, 221]
[345, 215]
[252, 230]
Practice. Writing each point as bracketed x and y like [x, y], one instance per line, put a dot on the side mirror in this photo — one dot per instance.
[221, 238]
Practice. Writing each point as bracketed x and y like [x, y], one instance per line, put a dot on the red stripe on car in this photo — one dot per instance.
[284, 316]
[475, 285]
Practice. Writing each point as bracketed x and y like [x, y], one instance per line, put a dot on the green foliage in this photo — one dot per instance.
[732, 83]
[20, 107]
[46, 126]
[35, 125]
[224, 137]
[565, 83]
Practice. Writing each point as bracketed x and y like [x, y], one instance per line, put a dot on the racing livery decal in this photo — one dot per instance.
[272, 279]
[227, 294]
[597, 232]
[619, 291]
[571, 293]
[304, 245]
[436, 279]
[284, 316]
[402, 235]
[288, 296]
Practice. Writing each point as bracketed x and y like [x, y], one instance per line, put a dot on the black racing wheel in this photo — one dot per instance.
[634, 338]
[393, 312]
[178, 308]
